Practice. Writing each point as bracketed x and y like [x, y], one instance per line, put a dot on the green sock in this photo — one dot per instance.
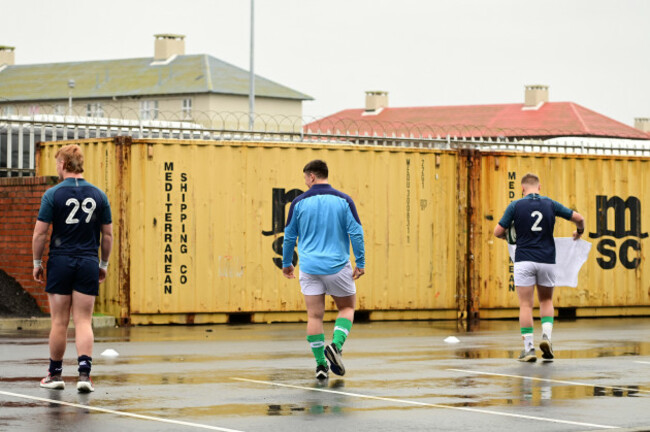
[342, 328]
[317, 343]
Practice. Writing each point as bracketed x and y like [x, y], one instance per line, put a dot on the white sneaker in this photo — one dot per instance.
[547, 348]
[85, 384]
[53, 382]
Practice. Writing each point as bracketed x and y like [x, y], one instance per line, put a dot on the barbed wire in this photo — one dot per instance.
[19, 135]
[238, 121]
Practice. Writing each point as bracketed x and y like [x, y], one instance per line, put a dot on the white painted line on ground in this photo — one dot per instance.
[642, 362]
[424, 404]
[547, 380]
[120, 413]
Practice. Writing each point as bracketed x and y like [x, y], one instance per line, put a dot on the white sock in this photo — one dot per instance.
[528, 341]
[547, 329]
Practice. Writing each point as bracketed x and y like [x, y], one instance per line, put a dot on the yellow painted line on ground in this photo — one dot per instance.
[119, 413]
[424, 404]
[547, 380]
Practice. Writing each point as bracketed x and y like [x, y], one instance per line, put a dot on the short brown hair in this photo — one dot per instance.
[530, 179]
[318, 168]
[72, 157]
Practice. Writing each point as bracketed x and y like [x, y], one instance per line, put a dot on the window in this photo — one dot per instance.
[186, 109]
[8, 110]
[149, 110]
[59, 109]
[33, 109]
[94, 110]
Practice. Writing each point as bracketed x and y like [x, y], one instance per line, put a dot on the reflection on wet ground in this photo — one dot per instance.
[187, 373]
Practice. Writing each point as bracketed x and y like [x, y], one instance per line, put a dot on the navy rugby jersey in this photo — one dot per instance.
[325, 222]
[534, 218]
[77, 210]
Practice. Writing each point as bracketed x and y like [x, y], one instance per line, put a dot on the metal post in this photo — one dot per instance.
[71, 85]
[251, 92]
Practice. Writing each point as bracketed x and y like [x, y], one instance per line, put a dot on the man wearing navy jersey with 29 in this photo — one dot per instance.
[325, 222]
[81, 224]
[534, 220]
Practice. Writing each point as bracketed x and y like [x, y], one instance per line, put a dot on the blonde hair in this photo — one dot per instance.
[530, 180]
[72, 157]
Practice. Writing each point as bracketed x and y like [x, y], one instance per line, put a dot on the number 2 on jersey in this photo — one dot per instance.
[539, 217]
[88, 206]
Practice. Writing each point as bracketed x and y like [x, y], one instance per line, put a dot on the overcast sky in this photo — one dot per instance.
[423, 52]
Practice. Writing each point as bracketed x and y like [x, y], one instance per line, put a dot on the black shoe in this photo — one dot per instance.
[547, 349]
[321, 372]
[528, 356]
[336, 360]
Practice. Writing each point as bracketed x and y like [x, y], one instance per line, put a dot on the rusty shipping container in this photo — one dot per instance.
[611, 192]
[103, 162]
[199, 224]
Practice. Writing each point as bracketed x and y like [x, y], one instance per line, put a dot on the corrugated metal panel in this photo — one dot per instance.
[218, 201]
[616, 273]
[201, 223]
[104, 167]
[199, 227]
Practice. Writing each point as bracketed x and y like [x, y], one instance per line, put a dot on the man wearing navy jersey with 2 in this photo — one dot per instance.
[81, 224]
[534, 220]
[325, 222]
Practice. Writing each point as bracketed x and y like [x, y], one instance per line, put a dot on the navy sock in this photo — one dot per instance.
[85, 363]
[56, 367]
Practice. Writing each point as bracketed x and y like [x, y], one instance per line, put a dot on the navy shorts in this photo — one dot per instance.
[68, 273]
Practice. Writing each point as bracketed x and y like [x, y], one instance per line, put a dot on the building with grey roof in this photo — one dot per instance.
[170, 85]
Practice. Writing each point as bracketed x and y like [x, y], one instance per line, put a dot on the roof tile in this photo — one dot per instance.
[552, 119]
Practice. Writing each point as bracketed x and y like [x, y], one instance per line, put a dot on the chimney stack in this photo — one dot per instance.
[376, 100]
[7, 55]
[536, 95]
[168, 45]
[642, 124]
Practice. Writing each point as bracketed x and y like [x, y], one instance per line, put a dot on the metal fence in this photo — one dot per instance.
[19, 135]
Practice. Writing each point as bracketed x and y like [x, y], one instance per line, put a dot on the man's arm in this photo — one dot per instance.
[579, 220]
[105, 246]
[573, 216]
[38, 246]
[355, 232]
[506, 220]
[290, 236]
[500, 232]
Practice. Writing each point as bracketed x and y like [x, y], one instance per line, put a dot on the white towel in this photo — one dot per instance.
[570, 255]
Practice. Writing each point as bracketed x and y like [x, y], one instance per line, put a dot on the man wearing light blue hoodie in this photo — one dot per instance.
[326, 222]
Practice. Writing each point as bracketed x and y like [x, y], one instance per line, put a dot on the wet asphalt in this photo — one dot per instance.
[401, 376]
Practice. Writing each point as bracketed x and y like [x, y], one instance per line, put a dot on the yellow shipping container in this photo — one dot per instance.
[103, 162]
[611, 192]
[199, 227]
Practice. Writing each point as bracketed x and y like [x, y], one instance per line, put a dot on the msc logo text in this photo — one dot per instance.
[627, 223]
[280, 201]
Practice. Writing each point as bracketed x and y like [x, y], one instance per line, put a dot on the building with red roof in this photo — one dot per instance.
[536, 118]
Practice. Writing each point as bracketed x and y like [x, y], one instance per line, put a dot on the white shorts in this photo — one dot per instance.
[529, 273]
[338, 284]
